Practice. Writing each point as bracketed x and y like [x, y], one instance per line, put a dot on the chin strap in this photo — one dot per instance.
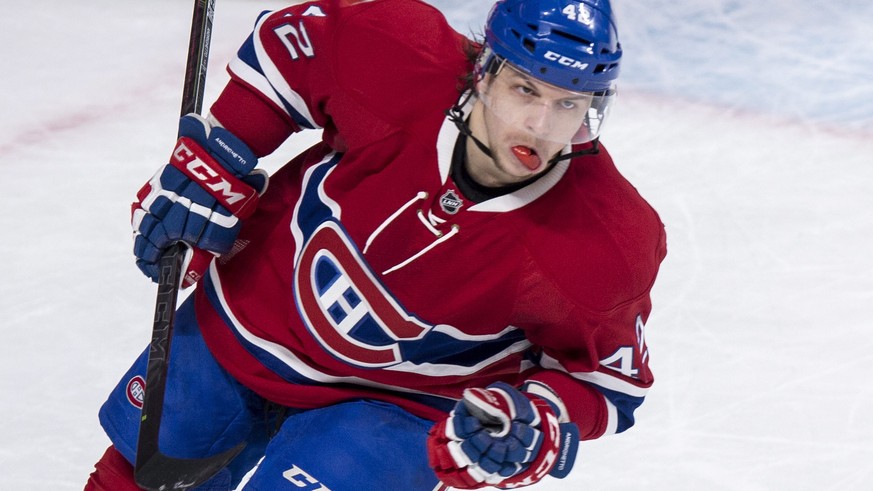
[594, 149]
[456, 115]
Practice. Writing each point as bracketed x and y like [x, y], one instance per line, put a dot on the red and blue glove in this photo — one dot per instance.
[199, 198]
[501, 437]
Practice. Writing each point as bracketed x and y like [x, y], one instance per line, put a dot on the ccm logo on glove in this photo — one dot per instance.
[197, 164]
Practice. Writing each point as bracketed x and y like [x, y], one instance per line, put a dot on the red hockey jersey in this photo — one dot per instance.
[366, 273]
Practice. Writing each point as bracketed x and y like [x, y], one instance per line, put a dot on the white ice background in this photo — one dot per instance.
[748, 124]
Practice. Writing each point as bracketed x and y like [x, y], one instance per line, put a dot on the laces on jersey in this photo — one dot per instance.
[440, 237]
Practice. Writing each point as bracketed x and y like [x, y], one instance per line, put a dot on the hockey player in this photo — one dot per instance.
[449, 290]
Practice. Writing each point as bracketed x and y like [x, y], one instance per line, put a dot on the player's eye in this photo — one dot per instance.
[525, 90]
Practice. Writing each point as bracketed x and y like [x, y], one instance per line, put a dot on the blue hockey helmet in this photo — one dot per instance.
[567, 43]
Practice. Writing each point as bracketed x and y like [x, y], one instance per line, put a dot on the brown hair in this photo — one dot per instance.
[472, 50]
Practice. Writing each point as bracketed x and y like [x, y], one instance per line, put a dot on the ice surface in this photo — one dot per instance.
[747, 124]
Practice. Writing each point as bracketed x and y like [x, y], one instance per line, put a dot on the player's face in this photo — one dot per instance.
[525, 123]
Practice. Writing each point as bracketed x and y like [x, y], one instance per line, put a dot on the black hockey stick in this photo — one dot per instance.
[154, 470]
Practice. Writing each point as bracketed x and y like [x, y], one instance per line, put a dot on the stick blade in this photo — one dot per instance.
[161, 472]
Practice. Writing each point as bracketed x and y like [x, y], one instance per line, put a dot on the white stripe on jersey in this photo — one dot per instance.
[296, 233]
[271, 82]
[597, 378]
[435, 370]
[611, 418]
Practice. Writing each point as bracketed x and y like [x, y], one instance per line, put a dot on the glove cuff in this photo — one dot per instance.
[563, 438]
[233, 154]
[569, 446]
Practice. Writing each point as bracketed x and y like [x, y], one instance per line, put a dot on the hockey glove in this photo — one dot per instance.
[198, 198]
[501, 437]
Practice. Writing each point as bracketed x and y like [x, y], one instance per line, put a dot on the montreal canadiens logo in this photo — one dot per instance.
[136, 391]
[345, 307]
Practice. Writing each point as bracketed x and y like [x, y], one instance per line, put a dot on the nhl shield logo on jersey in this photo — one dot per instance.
[451, 202]
[136, 391]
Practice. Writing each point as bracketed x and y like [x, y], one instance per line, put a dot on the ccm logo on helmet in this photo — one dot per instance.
[565, 60]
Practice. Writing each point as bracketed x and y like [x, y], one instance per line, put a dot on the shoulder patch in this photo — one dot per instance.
[135, 391]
